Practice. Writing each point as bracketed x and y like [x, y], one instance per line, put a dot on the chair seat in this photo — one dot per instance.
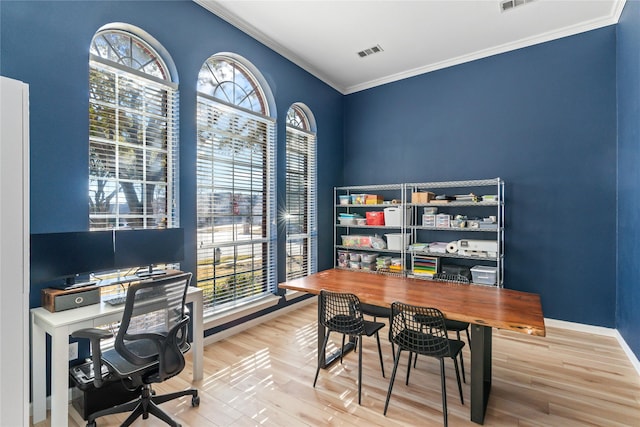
[412, 340]
[375, 310]
[455, 325]
[370, 328]
[124, 368]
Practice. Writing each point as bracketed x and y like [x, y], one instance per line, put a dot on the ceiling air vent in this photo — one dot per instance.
[510, 4]
[370, 51]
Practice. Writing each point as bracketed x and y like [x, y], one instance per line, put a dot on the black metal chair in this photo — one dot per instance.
[376, 311]
[453, 325]
[341, 313]
[427, 337]
[148, 347]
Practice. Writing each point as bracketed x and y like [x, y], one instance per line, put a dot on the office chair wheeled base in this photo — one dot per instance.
[145, 405]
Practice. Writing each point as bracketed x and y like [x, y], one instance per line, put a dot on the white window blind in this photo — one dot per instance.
[301, 234]
[235, 204]
[133, 134]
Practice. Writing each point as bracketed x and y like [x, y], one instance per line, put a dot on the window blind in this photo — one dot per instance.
[235, 204]
[300, 215]
[133, 150]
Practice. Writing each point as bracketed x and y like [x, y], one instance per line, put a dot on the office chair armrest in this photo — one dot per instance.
[94, 335]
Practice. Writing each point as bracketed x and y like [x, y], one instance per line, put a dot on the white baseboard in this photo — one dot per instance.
[597, 330]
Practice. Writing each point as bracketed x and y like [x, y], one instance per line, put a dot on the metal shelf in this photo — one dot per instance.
[402, 193]
[455, 229]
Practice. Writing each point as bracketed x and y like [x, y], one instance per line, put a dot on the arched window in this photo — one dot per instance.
[133, 133]
[235, 184]
[300, 217]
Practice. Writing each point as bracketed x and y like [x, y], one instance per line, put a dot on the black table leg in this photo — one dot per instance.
[480, 371]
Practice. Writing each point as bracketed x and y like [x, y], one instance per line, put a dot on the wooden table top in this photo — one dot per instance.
[483, 305]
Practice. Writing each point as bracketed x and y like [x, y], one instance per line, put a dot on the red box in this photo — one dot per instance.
[375, 218]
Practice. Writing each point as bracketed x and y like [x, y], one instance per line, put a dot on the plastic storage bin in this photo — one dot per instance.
[394, 241]
[393, 216]
[483, 275]
[375, 218]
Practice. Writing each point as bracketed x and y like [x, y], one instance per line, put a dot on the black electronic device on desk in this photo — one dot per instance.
[88, 399]
[148, 247]
[69, 256]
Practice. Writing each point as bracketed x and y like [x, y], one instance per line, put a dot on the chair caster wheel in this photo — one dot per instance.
[195, 401]
[91, 424]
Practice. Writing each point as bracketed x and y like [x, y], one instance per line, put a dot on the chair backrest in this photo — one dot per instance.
[154, 324]
[451, 278]
[341, 312]
[419, 329]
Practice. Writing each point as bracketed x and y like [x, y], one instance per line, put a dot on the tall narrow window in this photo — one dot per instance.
[235, 185]
[300, 216]
[133, 134]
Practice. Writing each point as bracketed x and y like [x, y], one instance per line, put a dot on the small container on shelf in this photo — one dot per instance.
[373, 199]
[443, 220]
[375, 217]
[370, 266]
[356, 241]
[358, 199]
[393, 216]
[361, 221]
[354, 264]
[483, 275]
[367, 257]
[395, 243]
[428, 220]
[422, 197]
[344, 199]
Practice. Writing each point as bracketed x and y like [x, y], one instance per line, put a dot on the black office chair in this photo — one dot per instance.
[148, 347]
[427, 337]
[341, 312]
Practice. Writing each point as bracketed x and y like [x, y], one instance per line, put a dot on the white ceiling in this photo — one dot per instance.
[417, 36]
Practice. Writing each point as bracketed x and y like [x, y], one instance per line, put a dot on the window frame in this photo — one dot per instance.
[157, 148]
[300, 149]
[215, 255]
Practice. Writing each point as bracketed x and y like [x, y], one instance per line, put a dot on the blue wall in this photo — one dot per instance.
[46, 44]
[543, 119]
[628, 298]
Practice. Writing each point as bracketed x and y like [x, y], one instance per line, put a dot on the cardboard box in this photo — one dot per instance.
[373, 199]
[421, 197]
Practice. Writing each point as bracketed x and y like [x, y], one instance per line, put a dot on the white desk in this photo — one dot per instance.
[60, 326]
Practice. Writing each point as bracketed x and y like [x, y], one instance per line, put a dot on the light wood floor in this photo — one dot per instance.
[264, 376]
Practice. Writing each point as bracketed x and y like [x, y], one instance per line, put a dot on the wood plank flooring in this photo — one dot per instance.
[264, 377]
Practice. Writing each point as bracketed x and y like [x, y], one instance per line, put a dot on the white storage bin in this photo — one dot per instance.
[483, 275]
[393, 216]
[394, 241]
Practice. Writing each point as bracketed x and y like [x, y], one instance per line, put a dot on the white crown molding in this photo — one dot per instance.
[507, 47]
[215, 8]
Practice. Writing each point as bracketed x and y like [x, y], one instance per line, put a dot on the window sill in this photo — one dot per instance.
[214, 320]
[290, 294]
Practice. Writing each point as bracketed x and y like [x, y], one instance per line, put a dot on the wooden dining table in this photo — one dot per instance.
[484, 307]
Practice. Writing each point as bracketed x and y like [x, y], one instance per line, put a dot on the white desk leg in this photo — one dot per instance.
[38, 372]
[60, 378]
[198, 337]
